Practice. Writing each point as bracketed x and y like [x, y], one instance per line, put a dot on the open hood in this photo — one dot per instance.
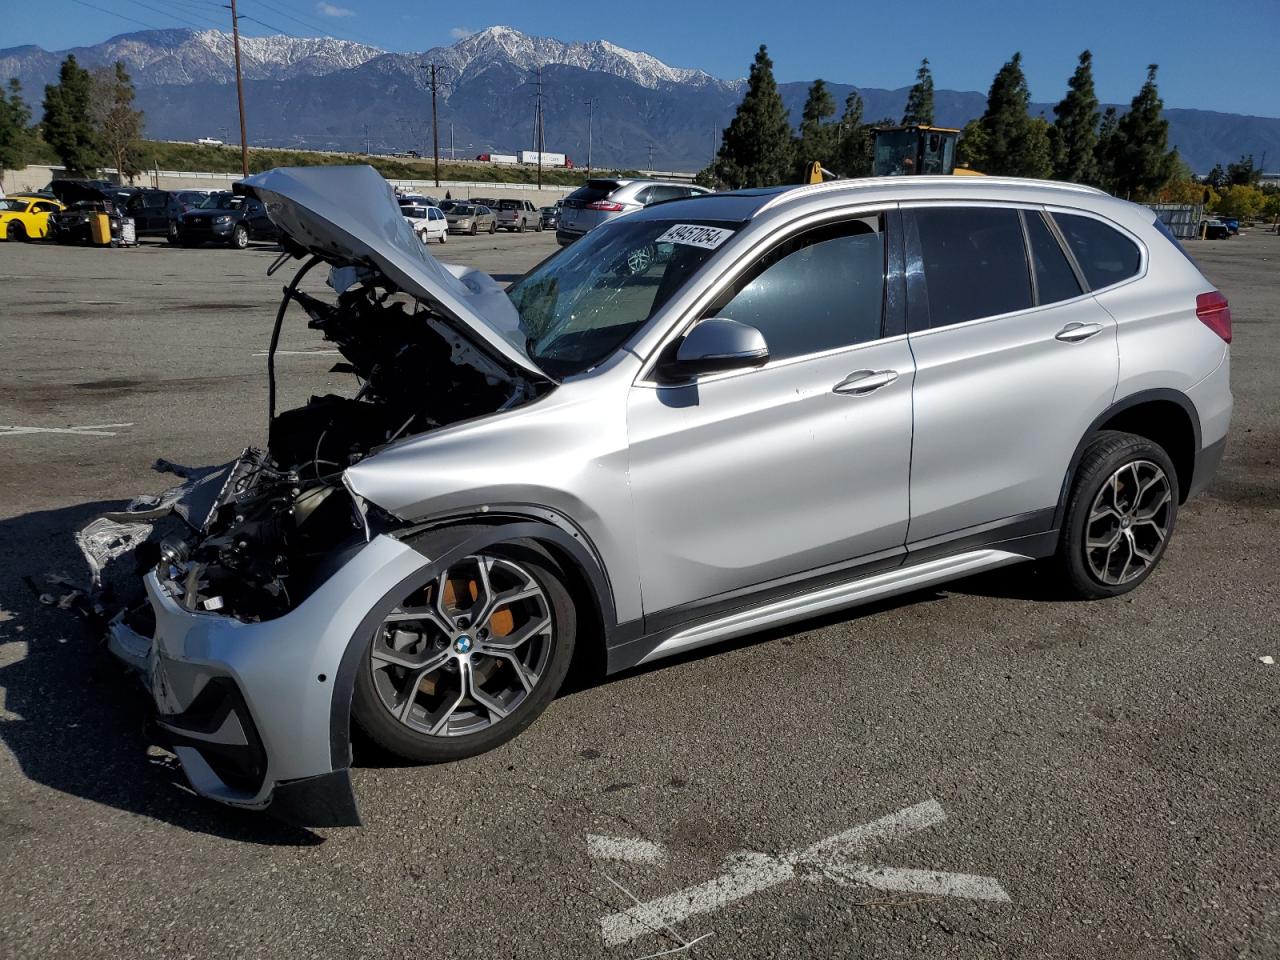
[351, 214]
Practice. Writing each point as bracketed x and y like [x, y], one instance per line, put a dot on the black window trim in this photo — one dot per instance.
[889, 209]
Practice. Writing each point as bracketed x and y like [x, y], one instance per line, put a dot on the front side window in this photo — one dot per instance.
[582, 303]
[975, 263]
[1105, 255]
[818, 291]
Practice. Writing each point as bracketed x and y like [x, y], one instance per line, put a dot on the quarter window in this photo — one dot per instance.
[975, 263]
[1055, 280]
[821, 290]
[1106, 256]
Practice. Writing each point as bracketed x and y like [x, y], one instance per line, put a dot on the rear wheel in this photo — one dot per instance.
[467, 661]
[520, 229]
[444, 236]
[1120, 516]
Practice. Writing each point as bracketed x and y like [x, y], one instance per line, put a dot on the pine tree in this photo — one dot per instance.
[68, 125]
[119, 125]
[1217, 177]
[971, 151]
[15, 128]
[1105, 153]
[1074, 135]
[853, 153]
[757, 150]
[1012, 146]
[1141, 147]
[816, 141]
[920, 98]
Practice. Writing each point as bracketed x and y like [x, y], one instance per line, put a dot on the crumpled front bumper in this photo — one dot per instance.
[258, 713]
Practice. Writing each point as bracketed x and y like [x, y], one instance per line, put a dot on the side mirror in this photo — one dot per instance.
[717, 344]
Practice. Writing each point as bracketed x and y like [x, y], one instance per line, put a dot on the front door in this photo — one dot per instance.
[740, 479]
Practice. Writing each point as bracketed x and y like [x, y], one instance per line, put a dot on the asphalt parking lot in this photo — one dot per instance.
[998, 774]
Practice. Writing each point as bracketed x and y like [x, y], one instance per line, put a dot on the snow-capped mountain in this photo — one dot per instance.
[335, 94]
[189, 56]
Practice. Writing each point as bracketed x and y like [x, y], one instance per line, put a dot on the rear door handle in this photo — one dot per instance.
[864, 381]
[1074, 332]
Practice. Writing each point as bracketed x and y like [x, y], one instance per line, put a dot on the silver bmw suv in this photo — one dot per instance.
[710, 417]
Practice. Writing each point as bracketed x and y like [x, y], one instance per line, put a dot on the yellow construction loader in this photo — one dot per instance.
[907, 151]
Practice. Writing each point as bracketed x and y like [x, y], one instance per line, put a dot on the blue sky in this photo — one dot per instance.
[870, 44]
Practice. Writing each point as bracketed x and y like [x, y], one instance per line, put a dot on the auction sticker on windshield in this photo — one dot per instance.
[696, 236]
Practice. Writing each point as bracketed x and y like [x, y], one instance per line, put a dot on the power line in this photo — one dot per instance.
[92, 6]
[269, 26]
[166, 13]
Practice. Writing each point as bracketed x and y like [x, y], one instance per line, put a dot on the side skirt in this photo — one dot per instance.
[789, 609]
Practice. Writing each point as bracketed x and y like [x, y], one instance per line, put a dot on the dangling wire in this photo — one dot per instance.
[289, 292]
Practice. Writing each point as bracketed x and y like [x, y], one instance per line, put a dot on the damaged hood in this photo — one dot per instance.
[351, 213]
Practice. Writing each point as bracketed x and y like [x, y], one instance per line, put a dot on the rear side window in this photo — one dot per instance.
[1055, 280]
[821, 290]
[975, 263]
[1106, 256]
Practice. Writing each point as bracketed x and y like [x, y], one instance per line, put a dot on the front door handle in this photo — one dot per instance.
[1074, 332]
[861, 382]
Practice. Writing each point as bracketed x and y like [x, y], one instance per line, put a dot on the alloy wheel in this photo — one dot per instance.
[465, 651]
[1128, 522]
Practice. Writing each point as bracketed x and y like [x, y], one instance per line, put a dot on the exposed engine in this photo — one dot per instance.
[262, 532]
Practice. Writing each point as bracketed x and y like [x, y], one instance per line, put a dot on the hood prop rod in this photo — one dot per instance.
[289, 294]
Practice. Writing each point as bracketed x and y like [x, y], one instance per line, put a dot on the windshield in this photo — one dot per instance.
[463, 210]
[580, 305]
[221, 201]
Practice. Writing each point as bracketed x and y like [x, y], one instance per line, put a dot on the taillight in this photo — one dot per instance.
[608, 205]
[1214, 313]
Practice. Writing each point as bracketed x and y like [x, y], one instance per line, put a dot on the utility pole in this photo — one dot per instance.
[650, 170]
[539, 133]
[591, 104]
[244, 140]
[366, 140]
[435, 84]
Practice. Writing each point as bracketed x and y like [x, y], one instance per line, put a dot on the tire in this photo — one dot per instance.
[1111, 539]
[174, 237]
[520, 229]
[493, 228]
[240, 237]
[374, 705]
[16, 232]
[539, 227]
[475, 228]
[444, 237]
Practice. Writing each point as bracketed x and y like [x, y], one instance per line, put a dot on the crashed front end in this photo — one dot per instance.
[262, 578]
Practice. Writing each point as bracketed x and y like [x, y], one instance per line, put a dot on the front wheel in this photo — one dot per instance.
[16, 232]
[174, 237]
[468, 660]
[493, 228]
[474, 229]
[240, 237]
[1120, 516]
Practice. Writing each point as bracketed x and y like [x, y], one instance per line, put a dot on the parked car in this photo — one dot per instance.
[518, 215]
[471, 218]
[150, 210]
[1216, 230]
[224, 218]
[484, 202]
[814, 398]
[26, 216]
[550, 216]
[428, 222]
[74, 223]
[601, 199]
[447, 205]
[1233, 225]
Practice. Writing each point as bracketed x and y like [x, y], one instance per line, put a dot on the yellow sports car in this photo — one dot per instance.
[26, 216]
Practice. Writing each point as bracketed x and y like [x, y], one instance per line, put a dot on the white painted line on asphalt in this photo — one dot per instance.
[966, 886]
[95, 430]
[748, 873]
[1269, 661]
[301, 353]
[626, 849]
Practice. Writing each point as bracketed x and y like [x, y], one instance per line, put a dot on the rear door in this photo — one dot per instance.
[743, 479]
[1014, 360]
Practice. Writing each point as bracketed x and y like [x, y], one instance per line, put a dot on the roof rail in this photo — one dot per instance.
[855, 183]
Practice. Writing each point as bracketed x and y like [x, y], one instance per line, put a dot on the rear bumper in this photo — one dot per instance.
[257, 710]
[1213, 402]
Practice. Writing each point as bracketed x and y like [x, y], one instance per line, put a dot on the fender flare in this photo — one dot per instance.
[1119, 406]
[450, 541]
